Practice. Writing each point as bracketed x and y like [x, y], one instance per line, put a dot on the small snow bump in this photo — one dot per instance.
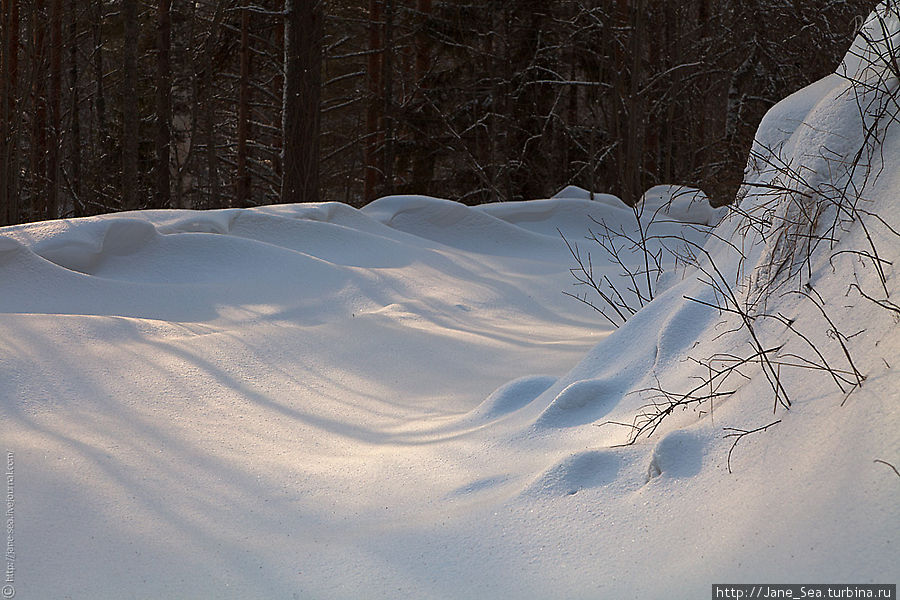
[678, 455]
[580, 403]
[579, 471]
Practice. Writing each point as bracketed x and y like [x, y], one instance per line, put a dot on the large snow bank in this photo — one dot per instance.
[310, 401]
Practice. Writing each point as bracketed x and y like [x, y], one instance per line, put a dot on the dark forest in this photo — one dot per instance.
[121, 105]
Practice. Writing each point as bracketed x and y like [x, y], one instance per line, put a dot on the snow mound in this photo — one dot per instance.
[680, 203]
[573, 192]
[84, 249]
[11, 250]
[580, 471]
[454, 224]
[552, 217]
[875, 47]
[212, 221]
[512, 396]
[580, 402]
[679, 454]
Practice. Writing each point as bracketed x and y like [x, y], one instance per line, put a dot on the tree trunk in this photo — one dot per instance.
[242, 192]
[302, 93]
[423, 158]
[14, 116]
[74, 109]
[130, 124]
[212, 160]
[423, 41]
[205, 106]
[100, 139]
[55, 99]
[372, 173]
[39, 110]
[387, 78]
[4, 113]
[162, 187]
[99, 98]
[277, 87]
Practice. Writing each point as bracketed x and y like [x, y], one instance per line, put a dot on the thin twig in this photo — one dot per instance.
[739, 434]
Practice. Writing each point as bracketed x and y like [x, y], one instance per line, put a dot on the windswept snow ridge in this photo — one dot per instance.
[313, 401]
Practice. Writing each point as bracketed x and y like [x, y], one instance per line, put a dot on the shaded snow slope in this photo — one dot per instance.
[312, 401]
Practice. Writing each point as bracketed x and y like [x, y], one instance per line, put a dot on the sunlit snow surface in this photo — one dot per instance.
[310, 401]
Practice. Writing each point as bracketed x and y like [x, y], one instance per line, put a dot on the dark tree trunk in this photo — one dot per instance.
[4, 113]
[302, 92]
[39, 110]
[212, 159]
[277, 88]
[130, 124]
[14, 120]
[74, 109]
[51, 210]
[242, 191]
[101, 150]
[387, 78]
[99, 98]
[423, 158]
[372, 172]
[162, 187]
[205, 107]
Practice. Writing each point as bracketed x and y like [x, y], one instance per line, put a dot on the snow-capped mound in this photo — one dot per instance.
[573, 192]
[679, 203]
[679, 454]
[583, 470]
[872, 58]
[512, 396]
[585, 401]
[571, 217]
[84, 249]
[454, 224]
[11, 250]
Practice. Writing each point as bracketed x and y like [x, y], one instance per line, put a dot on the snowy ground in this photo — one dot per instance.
[318, 402]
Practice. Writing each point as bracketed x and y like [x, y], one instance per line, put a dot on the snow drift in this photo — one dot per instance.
[312, 401]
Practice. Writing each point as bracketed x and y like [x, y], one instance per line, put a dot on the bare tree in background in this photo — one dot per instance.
[115, 104]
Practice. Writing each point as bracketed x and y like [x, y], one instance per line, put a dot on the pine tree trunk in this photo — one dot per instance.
[302, 93]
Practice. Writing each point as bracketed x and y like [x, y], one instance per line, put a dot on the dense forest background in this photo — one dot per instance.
[108, 105]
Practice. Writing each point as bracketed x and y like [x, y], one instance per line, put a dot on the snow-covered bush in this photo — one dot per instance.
[805, 231]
